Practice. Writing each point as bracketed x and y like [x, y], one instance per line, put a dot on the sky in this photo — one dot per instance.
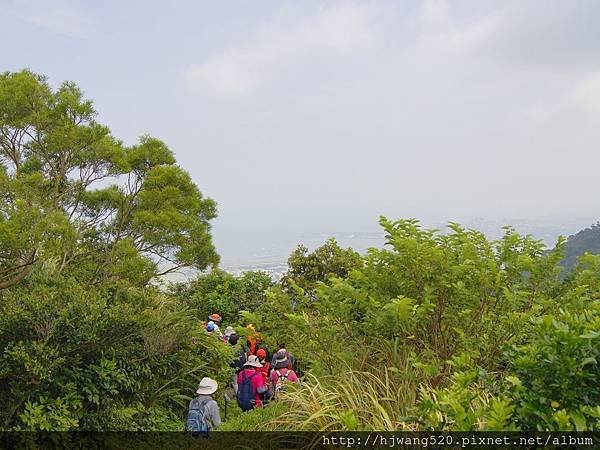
[320, 116]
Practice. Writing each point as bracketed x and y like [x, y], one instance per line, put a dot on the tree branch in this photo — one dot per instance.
[17, 278]
[172, 269]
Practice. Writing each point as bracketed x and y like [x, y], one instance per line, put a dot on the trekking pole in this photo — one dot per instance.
[226, 400]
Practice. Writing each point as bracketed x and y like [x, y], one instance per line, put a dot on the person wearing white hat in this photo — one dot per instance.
[229, 331]
[251, 385]
[203, 412]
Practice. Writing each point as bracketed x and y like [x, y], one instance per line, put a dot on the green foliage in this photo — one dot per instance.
[85, 224]
[436, 331]
[307, 269]
[223, 293]
[466, 403]
[470, 334]
[257, 420]
[81, 359]
[442, 294]
[353, 401]
[97, 209]
[556, 374]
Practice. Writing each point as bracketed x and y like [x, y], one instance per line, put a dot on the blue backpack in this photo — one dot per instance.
[245, 394]
[196, 420]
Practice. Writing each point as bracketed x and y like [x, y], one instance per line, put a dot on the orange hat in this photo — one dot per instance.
[261, 353]
[214, 317]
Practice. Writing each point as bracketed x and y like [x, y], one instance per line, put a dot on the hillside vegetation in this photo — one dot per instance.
[440, 331]
[435, 331]
[585, 241]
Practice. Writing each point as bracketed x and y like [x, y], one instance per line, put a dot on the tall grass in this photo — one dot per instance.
[351, 401]
[371, 392]
[256, 420]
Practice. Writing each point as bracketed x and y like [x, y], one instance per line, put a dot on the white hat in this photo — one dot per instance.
[253, 361]
[229, 331]
[207, 386]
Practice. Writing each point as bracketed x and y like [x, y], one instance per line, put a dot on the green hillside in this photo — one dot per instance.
[587, 240]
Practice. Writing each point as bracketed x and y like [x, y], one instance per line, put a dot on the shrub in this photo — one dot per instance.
[556, 374]
[224, 293]
[76, 358]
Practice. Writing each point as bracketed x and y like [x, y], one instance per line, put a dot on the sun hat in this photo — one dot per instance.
[214, 317]
[207, 386]
[281, 360]
[261, 353]
[253, 361]
[229, 331]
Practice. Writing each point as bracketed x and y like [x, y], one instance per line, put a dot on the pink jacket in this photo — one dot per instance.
[258, 382]
[291, 375]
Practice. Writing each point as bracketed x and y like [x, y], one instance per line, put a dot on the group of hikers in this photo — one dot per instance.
[256, 381]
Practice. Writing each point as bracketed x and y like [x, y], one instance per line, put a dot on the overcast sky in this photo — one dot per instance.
[320, 116]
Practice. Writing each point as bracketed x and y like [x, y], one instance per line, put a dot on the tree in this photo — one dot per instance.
[76, 198]
[307, 269]
[223, 293]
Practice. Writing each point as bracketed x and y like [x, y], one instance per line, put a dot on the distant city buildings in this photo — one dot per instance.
[273, 260]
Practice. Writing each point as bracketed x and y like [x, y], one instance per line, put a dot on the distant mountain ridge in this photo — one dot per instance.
[587, 240]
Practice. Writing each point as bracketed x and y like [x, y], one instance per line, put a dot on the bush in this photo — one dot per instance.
[223, 293]
[76, 358]
[443, 331]
[556, 375]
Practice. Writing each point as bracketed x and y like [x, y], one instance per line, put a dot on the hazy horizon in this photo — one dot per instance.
[321, 116]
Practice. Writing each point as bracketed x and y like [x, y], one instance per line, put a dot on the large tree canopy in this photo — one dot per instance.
[76, 199]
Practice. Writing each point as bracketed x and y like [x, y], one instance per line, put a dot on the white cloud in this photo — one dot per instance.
[339, 28]
[60, 16]
[434, 11]
[475, 36]
[586, 93]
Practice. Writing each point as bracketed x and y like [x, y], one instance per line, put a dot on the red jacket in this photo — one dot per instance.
[265, 369]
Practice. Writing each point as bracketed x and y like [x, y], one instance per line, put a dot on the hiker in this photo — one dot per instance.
[229, 331]
[238, 362]
[265, 370]
[233, 339]
[251, 385]
[241, 358]
[215, 319]
[253, 341]
[261, 354]
[203, 412]
[282, 372]
[210, 327]
[280, 354]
